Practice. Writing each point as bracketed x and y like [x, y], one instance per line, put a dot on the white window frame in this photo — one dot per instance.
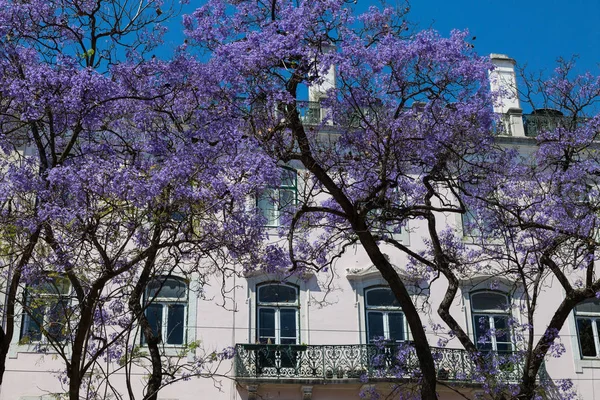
[165, 302]
[277, 308]
[272, 195]
[594, 316]
[386, 311]
[27, 319]
[470, 224]
[476, 314]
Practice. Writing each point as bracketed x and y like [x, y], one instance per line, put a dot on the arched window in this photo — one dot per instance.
[587, 316]
[277, 314]
[384, 317]
[491, 314]
[272, 202]
[166, 303]
[45, 310]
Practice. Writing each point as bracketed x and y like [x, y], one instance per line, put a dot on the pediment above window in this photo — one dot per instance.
[487, 281]
[281, 276]
[371, 272]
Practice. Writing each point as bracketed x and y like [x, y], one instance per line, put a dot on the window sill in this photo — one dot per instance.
[171, 350]
[587, 362]
[40, 348]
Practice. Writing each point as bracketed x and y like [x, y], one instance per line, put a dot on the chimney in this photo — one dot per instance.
[316, 92]
[503, 80]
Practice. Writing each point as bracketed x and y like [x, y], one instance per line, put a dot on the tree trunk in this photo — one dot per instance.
[421, 344]
[6, 335]
[152, 340]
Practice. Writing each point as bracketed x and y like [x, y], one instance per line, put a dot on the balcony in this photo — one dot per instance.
[544, 120]
[361, 362]
[311, 112]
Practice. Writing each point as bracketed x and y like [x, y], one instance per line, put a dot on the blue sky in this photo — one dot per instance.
[533, 32]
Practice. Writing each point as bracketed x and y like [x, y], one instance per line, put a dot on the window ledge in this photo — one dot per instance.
[171, 350]
[39, 348]
[588, 362]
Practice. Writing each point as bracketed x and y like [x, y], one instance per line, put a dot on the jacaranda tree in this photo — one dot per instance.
[389, 138]
[117, 169]
[404, 131]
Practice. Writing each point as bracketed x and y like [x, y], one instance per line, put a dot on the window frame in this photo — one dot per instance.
[594, 317]
[277, 306]
[166, 302]
[27, 319]
[385, 311]
[490, 314]
[470, 224]
[270, 193]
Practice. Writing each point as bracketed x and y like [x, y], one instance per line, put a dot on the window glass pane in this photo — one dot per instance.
[504, 347]
[383, 297]
[287, 324]
[48, 285]
[266, 325]
[266, 205]
[175, 319]
[470, 223]
[589, 306]
[502, 329]
[487, 301]
[166, 288]
[56, 318]
[288, 178]
[277, 294]
[482, 326]
[31, 330]
[396, 321]
[374, 326]
[154, 316]
[286, 198]
[586, 337]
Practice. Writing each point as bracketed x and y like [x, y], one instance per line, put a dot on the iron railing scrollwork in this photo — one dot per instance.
[364, 362]
[536, 124]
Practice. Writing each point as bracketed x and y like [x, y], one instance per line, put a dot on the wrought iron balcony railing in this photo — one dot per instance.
[361, 362]
[536, 124]
[311, 112]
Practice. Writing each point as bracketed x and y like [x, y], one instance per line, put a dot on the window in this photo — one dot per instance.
[471, 223]
[381, 223]
[272, 202]
[165, 302]
[45, 310]
[490, 321]
[277, 313]
[385, 319]
[472, 219]
[587, 317]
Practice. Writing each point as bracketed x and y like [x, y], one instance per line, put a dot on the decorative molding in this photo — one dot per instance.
[474, 281]
[359, 274]
[283, 276]
[366, 390]
[252, 392]
[306, 392]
